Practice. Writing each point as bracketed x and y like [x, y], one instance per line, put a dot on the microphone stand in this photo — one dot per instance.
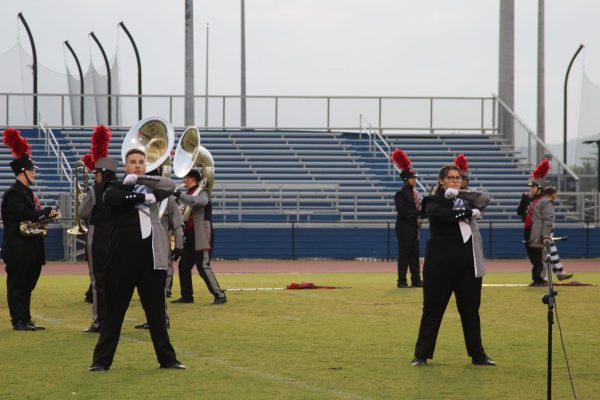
[549, 299]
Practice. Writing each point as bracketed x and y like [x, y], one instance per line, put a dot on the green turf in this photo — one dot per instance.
[312, 344]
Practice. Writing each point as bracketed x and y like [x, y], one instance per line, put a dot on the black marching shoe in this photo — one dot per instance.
[483, 360]
[98, 367]
[417, 284]
[182, 300]
[538, 284]
[220, 300]
[93, 328]
[418, 362]
[402, 285]
[23, 326]
[36, 327]
[142, 326]
[173, 365]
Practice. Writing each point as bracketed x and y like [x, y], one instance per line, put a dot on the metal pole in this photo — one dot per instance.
[565, 104]
[243, 67]
[107, 74]
[81, 86]
[33, 70]
[139, 66]
[189, 63]
[506, 67]
[541, 112]
[206, 87]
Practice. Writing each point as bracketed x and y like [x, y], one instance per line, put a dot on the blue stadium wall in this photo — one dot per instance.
[355, 242]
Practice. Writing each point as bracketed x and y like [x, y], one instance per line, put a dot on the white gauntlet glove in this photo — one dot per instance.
[451, 193]
[130, 179]
[150, 199]
[476, 213]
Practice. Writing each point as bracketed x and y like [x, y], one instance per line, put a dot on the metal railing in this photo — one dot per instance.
[392, 113]
[62, 164]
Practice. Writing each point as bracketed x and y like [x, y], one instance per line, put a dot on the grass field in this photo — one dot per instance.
[312, 344]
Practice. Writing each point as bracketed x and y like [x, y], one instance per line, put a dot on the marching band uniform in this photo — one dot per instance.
[172, 223]
[96, 212]
[23, 255]
[408, 205]
[138, 254]
[198, 242]
[452, 265]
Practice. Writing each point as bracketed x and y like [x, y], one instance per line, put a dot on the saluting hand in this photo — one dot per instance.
[451, 193]
[130, 179]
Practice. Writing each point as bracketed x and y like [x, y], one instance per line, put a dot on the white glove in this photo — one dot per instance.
[150, 199]
[476, 213]
[130, 179]
[451, 193]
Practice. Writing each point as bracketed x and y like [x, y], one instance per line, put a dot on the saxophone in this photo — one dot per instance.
[37, 228]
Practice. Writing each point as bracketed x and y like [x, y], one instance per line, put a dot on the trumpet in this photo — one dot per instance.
[37, 228]
[80, 190]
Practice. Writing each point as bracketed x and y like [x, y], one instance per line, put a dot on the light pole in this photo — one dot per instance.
[597, 142]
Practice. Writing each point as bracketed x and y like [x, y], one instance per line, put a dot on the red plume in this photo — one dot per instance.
[401, 159]
[89, 162]
[18, 144]
[541, 170]
[100, 140]
[461, 162]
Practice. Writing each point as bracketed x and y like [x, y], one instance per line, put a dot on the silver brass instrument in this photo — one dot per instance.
[189, 154]
[155, 136]
[82, 175]
[37, 228]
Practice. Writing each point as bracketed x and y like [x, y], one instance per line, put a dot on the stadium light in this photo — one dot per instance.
[565, 105]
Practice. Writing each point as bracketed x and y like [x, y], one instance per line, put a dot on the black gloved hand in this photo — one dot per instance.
[176, 254]
[47, 211]
[176, 194]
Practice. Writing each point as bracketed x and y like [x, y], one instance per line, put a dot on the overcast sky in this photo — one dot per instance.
[325, 47]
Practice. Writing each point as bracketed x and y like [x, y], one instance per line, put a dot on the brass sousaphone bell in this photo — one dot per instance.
[190, 154]
[155, 136]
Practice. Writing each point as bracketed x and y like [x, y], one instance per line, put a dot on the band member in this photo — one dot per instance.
[451, 266]
[542, 216]
[138, 254]
[408, 204]
[198, 240]
[22, 252]
[172, 222]
[97, 215]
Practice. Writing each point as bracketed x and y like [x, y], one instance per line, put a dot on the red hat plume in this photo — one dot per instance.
[19, 145]
[100, 140]
[401, 159]
[461, 162]
[541, 170]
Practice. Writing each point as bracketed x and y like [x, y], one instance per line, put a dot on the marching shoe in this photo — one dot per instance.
[402, 285]
[220, 300]
[142, 326]
[173, 365]
[22, 326]
[183, 300]
[563, 276]
[538, 284]
[92, 329]
[417, 284]
[97, 367]
[36, 327]
[418, 362]
[483, 360]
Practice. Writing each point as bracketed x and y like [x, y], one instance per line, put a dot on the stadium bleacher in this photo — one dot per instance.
[307, 175]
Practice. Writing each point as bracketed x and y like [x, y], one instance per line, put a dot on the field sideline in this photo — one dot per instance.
[311, 344]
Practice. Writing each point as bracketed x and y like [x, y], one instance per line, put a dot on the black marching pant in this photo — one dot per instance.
[536, 257]
[441, 278]
[201, 259]
[99, 254]
[408, 255]
[122, 278]
[23, 270]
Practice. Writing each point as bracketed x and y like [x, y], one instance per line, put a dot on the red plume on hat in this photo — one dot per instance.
[100, 140]
[19, 145]
[541, 170]
[461, 162]
[401, 159]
